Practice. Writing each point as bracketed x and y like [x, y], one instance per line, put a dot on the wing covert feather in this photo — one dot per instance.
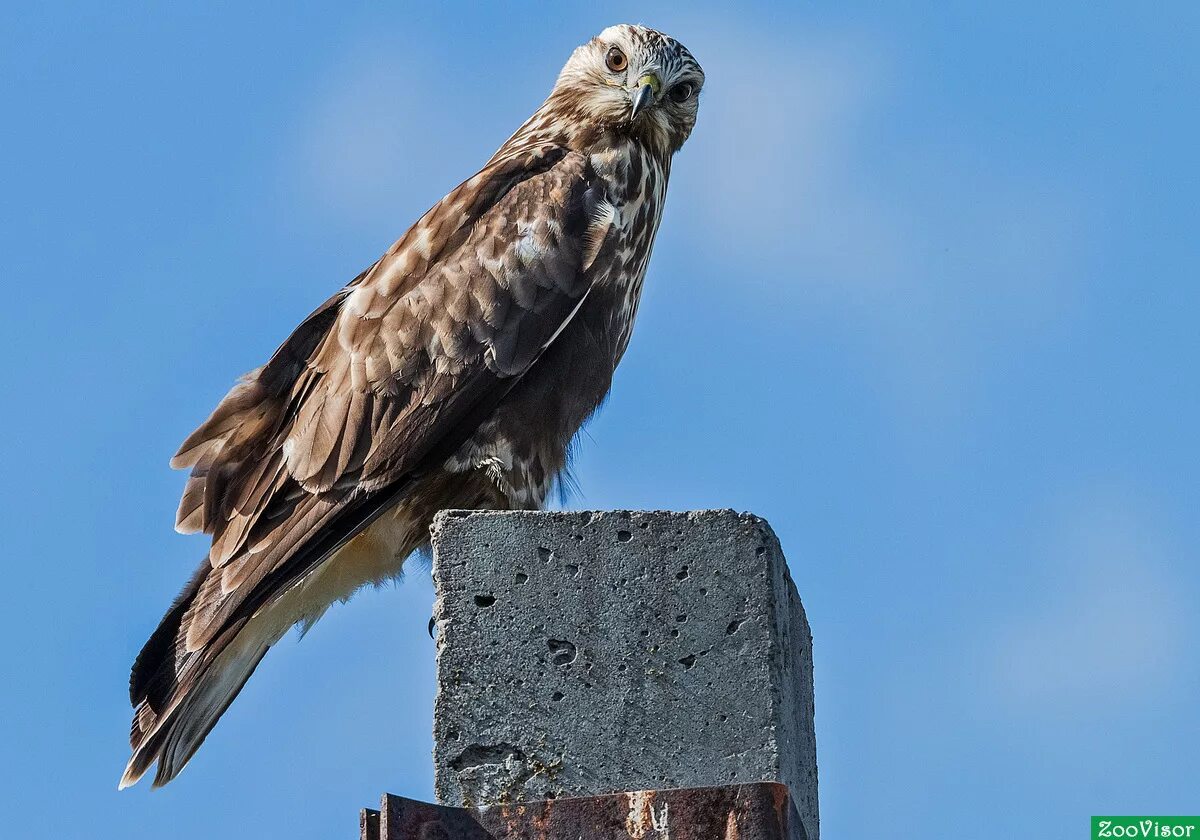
[385, 374]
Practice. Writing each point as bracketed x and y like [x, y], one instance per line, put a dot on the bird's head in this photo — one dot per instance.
[634, 81]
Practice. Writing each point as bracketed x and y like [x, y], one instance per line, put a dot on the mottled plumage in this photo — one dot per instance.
[454, 372]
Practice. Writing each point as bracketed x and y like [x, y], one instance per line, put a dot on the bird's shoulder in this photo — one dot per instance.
[396, 366]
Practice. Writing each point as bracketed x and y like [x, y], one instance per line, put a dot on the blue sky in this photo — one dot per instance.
[925, 297]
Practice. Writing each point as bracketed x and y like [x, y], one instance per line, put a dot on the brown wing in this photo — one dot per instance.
[391, 374]
[458, 309]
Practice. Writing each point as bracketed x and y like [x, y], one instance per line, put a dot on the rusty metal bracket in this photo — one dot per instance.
[761, 811]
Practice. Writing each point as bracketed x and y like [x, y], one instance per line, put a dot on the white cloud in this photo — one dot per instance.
[383, 137]
[353, 141]
[786, 187]
[810, 187]
[1104, 627]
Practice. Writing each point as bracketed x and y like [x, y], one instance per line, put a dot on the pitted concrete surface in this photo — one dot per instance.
[589, 653]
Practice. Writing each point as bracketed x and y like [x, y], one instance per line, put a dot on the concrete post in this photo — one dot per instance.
[582, 654]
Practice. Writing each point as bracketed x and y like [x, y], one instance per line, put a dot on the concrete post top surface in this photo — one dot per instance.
[587, 653]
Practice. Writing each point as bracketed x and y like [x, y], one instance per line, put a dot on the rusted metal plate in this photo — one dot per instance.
[762, 811]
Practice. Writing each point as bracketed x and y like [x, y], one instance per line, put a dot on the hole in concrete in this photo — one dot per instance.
[643, 525]
[484, 601]
[622, 667]
[521, 577]
[704, 590]
[733, 627]
[482, 755]
[645, 633]
[682, 617]
[545, 554]
[572, 569]
[562, 652]
[761, 550]
[556, 696]
[683, 574]
[674, 634]
[624, 536]
[724, 718]
[688, 661]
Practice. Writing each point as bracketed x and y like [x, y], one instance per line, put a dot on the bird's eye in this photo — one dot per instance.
[681, 93]
[616, 60]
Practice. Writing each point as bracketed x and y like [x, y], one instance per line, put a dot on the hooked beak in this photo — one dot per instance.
[644, 94]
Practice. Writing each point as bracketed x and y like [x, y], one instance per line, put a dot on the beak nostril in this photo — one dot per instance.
[651, 81]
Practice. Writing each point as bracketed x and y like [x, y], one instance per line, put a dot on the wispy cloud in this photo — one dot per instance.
[1105, 625]
[924, 249]
[351, 144]
[925, 252]
[384, 136]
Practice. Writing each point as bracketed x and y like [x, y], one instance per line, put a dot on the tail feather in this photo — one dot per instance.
[153, 675]
[180, 695]
[173, 738]
[181, 686]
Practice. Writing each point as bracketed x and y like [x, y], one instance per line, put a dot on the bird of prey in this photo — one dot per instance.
[452, 373]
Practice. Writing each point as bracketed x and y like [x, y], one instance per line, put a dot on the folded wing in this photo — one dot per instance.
[387, 378]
